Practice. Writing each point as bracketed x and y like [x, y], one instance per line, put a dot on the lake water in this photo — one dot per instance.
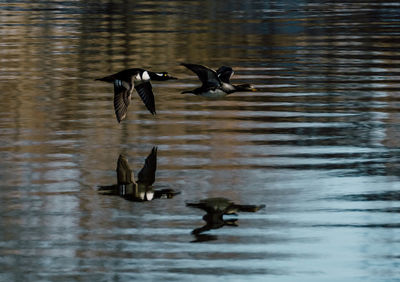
[318, 144]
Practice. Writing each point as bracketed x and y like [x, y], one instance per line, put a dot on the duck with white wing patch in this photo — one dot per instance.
[127, 80]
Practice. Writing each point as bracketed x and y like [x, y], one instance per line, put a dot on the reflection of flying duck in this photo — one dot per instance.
[223, 206]
[214, 220]
[124, 82]
[215, 209]
[215, 84]
[142, 189]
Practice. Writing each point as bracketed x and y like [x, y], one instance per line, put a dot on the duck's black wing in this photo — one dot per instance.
[145, 91]
[147, 175]
[124, 172]
[208, 77]
[225, 73]
[122, 98]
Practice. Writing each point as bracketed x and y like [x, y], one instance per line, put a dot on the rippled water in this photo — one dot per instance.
[318, 144]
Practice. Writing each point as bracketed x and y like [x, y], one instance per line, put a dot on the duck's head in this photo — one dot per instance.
[245, 87]
[161, 76]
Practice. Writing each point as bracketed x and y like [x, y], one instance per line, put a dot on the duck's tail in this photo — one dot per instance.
[108, 190]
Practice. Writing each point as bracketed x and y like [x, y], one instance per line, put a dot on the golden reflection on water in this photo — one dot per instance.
[324, 123]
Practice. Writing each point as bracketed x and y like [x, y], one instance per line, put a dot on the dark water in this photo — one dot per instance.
[319, 144]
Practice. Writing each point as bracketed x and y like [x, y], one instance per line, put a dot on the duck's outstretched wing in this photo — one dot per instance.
[122, 98]
[147, 175]
[124, 172]
[207, 76]
[145, 90]
[225, 73]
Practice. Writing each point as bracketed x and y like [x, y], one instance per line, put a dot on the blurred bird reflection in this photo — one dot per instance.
[142, 189]
[215, 209]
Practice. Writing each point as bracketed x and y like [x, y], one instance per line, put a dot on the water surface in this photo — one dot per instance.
[318, 144]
